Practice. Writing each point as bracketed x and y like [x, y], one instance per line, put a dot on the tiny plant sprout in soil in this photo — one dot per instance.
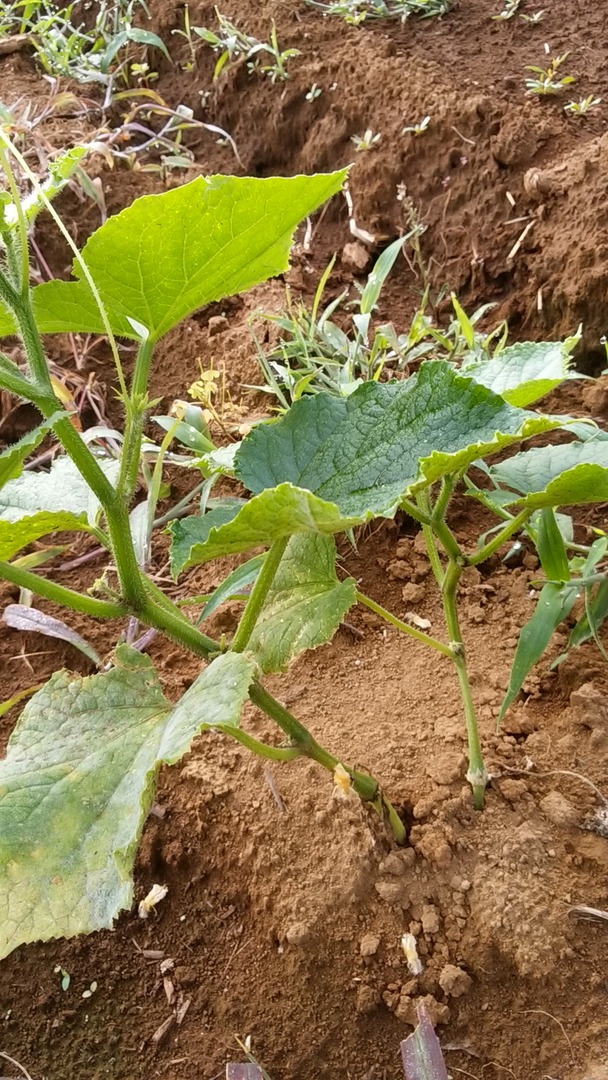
[303, 549]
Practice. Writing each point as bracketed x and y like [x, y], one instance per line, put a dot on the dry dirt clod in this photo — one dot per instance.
[556, 807]
[218, 324]
[355, 256]
[407, 1010]
[430, 920]
[392, 865]
[413, 593]
[369, 945]
[368, 999]
[297, 934]
[454, 981]
[391, 891]
[589, 706]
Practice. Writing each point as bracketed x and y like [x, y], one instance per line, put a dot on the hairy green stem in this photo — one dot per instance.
[22, 274]
[404, 627]
[512, 526]
[59, 594]
[477, 775]
[135, 407]
[258, 594]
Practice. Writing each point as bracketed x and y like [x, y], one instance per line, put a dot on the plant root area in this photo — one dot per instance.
[286, 903]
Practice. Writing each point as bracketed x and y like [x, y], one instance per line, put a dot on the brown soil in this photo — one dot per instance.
[284, 916]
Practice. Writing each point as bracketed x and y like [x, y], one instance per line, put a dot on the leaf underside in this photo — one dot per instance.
[557, 475]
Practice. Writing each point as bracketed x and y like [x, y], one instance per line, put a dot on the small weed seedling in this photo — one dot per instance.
[546, 80]
[314, 92]
[367, 141]
[418, 129]
[78, 778]
[583, 106]
[535, 18]
[509, 11]
[234, 45]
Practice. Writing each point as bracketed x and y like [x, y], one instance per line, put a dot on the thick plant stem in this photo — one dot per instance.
[405, 628]
[88, 605]
[258, 594]
[477, 775]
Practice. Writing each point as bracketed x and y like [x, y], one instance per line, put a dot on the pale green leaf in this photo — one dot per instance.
[525, 372]
[385, 442]
[557, 475]
[78, 781]
[214, 700]
[305, 605]
[15, 535]
[61, 489]
[167, 255]
[278, 512]
[12, 459]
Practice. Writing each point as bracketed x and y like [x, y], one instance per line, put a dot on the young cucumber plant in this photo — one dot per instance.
[69, 818]
[78, 776]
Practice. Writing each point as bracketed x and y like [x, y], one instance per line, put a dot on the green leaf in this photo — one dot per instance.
[557, 475]
[278, 512]
[595, 615]
[15, 535]
[305, 605]
[525, 372]
[215, 700]
[554, 604]
[385, 442]
[167, 255]
[78, 781]
[186, 532]
[61, 489]
[550, 547]
[12, 459]
[233, 584]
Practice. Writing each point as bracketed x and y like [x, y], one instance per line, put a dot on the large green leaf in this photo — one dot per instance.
[278, 512]
[15, 535]
[557, 475]
[525, 372]
[305, 605]
[167, 255]
[61, 490]
[387, 440]
[13, 458]
[77, 783]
